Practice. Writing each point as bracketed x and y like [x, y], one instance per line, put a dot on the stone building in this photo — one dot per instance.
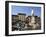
[14, 19]
[34, 22]
[22, 16]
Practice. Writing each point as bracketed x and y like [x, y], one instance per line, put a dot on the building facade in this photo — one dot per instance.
[22, 16]
[14, 19]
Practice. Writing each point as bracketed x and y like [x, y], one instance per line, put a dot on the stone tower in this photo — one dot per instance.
[33, 22]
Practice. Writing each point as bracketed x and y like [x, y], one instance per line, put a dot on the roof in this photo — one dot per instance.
[21, 14]
[15, 15]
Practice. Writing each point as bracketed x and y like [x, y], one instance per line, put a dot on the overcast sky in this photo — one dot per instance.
[25, 9]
